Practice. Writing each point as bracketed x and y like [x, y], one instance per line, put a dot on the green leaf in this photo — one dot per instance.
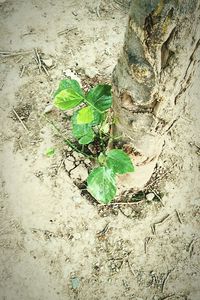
[101, 184]
[68, 95]
[119, 162]
[69, 83]
[83, 132]
[49, 152]
[85, 115]
[98, 117]
[67, 99]
[100, 97]
[88, 138]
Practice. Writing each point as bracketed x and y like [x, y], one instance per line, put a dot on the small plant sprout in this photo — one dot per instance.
[49, 152]
[90, 126]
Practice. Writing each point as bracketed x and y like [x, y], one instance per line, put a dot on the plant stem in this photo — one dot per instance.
[67, 141]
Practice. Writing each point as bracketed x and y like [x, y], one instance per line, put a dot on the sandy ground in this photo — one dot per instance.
[54, 243]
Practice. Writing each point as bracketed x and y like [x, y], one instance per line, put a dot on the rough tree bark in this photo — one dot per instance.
[152, 75]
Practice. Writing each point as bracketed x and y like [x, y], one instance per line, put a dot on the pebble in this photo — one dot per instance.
[69, 73]
[69, 165]
[48, 108]
[75, 282]
[91, 72]
[77, 236]
[150, 196]
[48, 62]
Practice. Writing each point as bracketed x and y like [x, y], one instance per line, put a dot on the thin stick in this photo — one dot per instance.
[120, 203]
[60, 166]
[45, 70]
[104, 230]
[17, 61]
[153, 191]
[178, 216]
[20, 120]
[22, 71]
[130, 268]
[146, 241]
[191, 247]
[168, 297]
[10, 54]
[38, 60]
[160, 222]
[153, 229]
[98, 8]
[165, 280]
[66, 31]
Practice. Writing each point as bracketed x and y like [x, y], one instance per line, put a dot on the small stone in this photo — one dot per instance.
[48, 108]
[69, 73]
[69, 165]
[77, 236]
[91, 72]
[80, 172]
[150, 196]
[48, 62]
[75, 282]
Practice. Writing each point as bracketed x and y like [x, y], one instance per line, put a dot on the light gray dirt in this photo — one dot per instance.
[51, 240]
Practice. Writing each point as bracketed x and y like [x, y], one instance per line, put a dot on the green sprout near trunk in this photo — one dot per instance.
[89, 122]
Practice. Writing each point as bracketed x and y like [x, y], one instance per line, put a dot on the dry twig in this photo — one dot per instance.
[146, 241]
[165, 280]
[154, 192]
[19, 59]
[10, 53]
[160, 222]
[22, 71]
[66, 31]
[20, 120]
[103, 231]
[178, 216]
[45, 70]
[168, 297]
[191, 247]
[38, 60]
[130, 268]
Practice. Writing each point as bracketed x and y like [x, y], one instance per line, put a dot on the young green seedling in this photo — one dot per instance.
[89, 122]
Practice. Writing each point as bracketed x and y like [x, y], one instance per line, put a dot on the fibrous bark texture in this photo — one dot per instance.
[154, 71]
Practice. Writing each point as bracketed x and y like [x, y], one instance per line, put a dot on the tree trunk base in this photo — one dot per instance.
[137, 180]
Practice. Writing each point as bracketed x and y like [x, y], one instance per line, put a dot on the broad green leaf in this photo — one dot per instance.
[85, 115]
[83, 132]
[98, 117]
[69, 83]
[119, 162]
[88, 138]
[101, 184]
[100, 97]
[49, 152]
[67, 99]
